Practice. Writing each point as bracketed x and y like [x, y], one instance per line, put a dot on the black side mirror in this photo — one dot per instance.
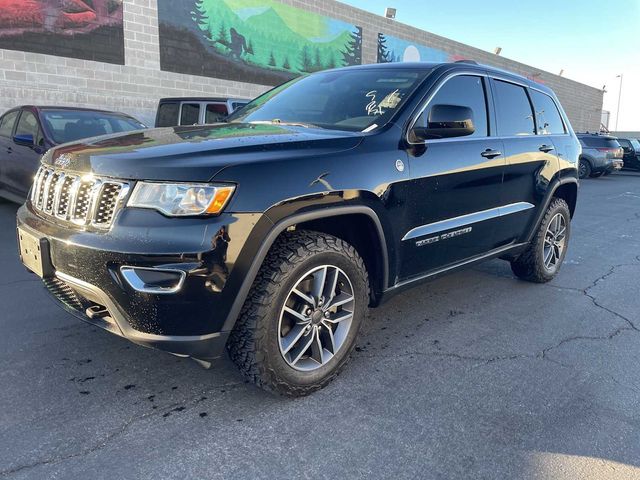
[25, 140]
[446, 121]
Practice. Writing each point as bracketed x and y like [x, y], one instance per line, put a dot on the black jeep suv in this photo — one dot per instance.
[272, 234]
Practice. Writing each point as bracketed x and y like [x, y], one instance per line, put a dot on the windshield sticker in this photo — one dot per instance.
[372, 107]
[392, 100]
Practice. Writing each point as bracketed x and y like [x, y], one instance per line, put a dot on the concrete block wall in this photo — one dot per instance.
[136, 86]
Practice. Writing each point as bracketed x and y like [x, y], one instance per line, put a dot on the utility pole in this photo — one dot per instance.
[619, 96]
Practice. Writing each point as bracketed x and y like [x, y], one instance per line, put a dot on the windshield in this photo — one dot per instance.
[353, 100]
[635, 144]
[69, 125]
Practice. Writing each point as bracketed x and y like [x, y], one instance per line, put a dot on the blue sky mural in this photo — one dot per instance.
[394, 49]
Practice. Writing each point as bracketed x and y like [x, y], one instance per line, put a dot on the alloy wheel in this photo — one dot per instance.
[554, 241]
[316, 318]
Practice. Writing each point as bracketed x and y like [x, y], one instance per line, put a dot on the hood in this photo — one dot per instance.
[194, 153]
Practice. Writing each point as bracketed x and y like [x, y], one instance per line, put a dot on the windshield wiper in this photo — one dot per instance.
[277, 121]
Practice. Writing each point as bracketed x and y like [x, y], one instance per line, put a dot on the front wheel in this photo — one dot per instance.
[300, 321]
[542, 259]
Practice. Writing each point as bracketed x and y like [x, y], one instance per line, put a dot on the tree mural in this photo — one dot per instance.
[384, 56]
[246, 39]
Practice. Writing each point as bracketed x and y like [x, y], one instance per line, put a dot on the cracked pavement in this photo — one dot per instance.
[475, 375]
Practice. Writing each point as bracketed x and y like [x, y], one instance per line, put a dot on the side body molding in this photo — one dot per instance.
[281, 227]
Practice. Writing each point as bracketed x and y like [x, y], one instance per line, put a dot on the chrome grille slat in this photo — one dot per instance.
[83, 201]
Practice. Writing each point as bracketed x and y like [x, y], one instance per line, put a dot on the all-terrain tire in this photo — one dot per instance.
[253, 345]
[530, 265]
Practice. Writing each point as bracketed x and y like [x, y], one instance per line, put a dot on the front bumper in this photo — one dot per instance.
[87, 277]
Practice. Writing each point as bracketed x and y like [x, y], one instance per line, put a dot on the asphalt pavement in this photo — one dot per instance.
[476, 375]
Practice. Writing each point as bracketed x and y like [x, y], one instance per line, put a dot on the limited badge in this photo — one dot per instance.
[400, 165]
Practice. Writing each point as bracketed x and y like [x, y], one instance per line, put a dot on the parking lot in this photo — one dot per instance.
[475, 375]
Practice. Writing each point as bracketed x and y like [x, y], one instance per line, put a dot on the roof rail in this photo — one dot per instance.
[473, 62]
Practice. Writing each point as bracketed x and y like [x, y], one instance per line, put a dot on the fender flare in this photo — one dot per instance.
[280, 227]
[557, 183]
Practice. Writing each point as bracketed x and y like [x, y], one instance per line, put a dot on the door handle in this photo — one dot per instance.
[546, 148]
[488, 153]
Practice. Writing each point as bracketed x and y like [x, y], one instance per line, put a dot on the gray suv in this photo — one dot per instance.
[601, 155]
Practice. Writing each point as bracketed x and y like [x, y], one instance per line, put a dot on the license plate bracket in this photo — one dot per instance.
[34, 253]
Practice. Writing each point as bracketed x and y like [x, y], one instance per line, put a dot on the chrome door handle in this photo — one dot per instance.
[488, 153]
[546, 148]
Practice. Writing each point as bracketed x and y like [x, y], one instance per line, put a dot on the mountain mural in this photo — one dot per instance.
[260, 41]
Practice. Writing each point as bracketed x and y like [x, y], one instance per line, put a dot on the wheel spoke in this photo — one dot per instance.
[340, 300]
[308, 299]
[547, 256]
[292, 338]
[317, 352]
[300, 317]
[300, 349]
[339, 317]
[319, 278]
[326, 337]
[561, 233]
[332, 283]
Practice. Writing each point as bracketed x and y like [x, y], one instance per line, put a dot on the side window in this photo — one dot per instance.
[465, 91]
[624, 143]
[548, 117]
[28, 125]
[168, 115]
[215, 112]
[513, 110]
[7, 123]
[190, 114]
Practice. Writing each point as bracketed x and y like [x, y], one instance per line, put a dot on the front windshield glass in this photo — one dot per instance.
[353, 100]
[70, 125]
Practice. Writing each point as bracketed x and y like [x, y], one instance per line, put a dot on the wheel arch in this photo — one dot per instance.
[326, 220]
[565, 188]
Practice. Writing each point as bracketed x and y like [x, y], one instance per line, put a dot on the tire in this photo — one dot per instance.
[532, 264]
[264, 328]
[584, 168]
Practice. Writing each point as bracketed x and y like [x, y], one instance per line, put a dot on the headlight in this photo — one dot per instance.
[181, 199]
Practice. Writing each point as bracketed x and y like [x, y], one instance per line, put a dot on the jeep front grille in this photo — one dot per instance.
[82, 200]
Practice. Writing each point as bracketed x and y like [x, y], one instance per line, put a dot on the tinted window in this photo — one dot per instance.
[69, 125]
[355, 100]
[8, 121]
[636, 144]
[624, 143]
[599, 142]
[167, 115]
[215, 112]
[547, 115]
[465, 91]
[237, 105]
[190, 114]
[513, 109]
[28, 125]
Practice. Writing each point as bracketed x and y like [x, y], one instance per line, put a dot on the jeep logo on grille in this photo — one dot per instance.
[63, 161]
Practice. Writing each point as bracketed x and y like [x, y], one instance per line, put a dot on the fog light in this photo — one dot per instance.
[153, 280]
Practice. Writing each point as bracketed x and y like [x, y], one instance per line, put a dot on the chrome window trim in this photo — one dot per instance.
[467, 219]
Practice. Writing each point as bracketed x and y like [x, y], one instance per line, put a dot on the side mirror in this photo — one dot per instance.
[25, 140]
[446, 121]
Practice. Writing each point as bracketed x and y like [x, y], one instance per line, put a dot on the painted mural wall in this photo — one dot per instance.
[256, 41]
[85, 29]
[394, 49]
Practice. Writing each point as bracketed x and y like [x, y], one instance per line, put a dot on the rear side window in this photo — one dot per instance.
[237, 105]
[190, 114]
[465, 91]
[548, 117]
[167, 115]
[624, 143]
[215, 112]
[513, 109]
[7, 123]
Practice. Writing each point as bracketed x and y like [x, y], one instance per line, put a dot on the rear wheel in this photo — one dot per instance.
[584, 168]
[542, 259]
[299, 324]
